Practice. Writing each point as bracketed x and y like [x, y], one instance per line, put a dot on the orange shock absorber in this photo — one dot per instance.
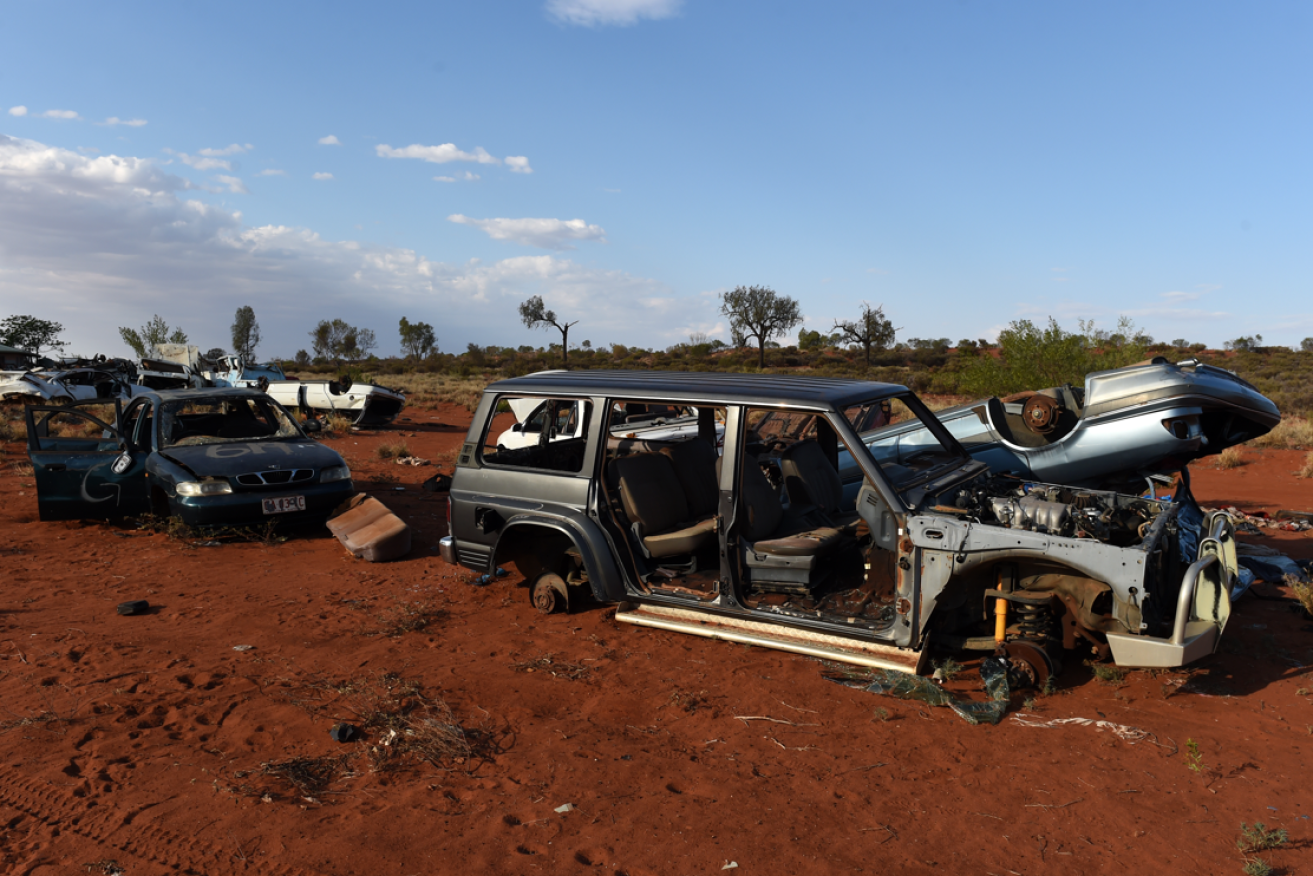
[1000, 620]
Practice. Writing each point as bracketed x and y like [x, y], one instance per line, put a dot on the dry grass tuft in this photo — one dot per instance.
[1231, 457]
[441, 389]
[23, 469]
[1295, 433]
[12, 430]
[1303, 592]
[309, 775]
[1306, 471]
[337, 423]
[558, 668]
[409, 617]
[392, 450]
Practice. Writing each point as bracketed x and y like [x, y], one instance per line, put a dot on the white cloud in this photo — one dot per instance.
[436, 154]
[111, 240]
[518, 164]
[465, 176]
[131, 123]
[598, 13]
[18, 110]
[330, 140]
[271, 171]
[234, 184]
[322, 176]
[60, 114]
[88, 150]
[231, 149]
[201, 163]
[542, 233]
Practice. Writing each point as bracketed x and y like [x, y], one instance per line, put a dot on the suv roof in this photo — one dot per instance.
[819, 392]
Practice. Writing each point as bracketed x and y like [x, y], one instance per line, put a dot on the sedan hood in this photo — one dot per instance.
[231, 459]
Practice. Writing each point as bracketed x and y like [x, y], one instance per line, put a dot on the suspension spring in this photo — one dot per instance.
[1033, 622]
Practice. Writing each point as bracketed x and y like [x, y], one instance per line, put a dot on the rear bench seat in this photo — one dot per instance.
[658, 509]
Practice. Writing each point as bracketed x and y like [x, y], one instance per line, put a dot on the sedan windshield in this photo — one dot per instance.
[223, 421]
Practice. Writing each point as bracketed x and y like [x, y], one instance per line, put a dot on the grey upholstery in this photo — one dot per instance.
[654, 502]
[695, 466]
[812, 480]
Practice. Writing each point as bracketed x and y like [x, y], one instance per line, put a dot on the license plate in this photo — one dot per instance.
[284, 504]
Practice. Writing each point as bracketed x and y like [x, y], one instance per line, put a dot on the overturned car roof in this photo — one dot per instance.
[708, 386]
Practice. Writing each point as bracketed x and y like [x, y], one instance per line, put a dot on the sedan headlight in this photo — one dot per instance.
[204, 488]
[335, 473]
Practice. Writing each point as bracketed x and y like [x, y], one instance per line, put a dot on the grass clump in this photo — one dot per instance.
[948, 669]
[393, 450]
[1106, 673]
[1256, 867]
[1306, 470]
[1194, 759]
[12, 430]
[558, 668]
[1231, 457]
[1303, 592]
[1257, 838]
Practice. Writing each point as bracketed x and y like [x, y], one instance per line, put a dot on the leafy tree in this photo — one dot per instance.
[334, 339]
[535, 315]
[31, 334]
[146, 342]
[968, 348]
[871, 330]
[246, 334]
[302, 357]
[215, 353]
[811, 339]
[759, 312]
[417, 338]
[1306, 345]
[365, 343]
[1244, 343]
[1031, 357]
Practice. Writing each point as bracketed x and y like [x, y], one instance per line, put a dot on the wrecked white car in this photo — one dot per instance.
[758, 544]
[68, 385]
[364, 404]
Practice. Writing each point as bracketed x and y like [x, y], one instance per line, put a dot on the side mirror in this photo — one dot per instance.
[122, 463]
[312, 425]
[518, 427]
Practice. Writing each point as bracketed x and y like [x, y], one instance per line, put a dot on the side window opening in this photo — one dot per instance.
[529, 432]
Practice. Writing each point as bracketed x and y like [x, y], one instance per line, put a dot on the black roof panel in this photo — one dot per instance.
[704, 386]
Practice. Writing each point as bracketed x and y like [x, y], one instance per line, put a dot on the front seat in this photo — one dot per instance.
[783, 554]
[812, 480]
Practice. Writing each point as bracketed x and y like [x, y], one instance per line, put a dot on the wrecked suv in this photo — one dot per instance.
[755, 542]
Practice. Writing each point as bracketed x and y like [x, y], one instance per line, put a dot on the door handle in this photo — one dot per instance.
[56, 466]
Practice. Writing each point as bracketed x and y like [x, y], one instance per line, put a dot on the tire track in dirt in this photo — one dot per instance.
[108, 826]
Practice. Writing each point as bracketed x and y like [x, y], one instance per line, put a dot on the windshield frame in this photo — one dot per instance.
[168, 410]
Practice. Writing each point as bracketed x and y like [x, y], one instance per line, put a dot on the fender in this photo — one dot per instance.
[604, 575]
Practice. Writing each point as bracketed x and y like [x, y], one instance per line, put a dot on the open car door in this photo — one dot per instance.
[85, 468]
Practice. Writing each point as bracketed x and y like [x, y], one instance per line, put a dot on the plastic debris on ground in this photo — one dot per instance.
[485, 580]
[564, 807]
[411, 460]
[1255, 523]
[993, 672]
[1121, 731]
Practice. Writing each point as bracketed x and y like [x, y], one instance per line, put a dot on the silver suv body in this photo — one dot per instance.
[734, 532]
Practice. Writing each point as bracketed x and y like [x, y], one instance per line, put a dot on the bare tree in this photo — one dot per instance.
[535, 315]
[871, 330]
[759, 312]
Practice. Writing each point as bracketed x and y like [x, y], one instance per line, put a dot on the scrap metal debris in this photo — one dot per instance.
[993, 672]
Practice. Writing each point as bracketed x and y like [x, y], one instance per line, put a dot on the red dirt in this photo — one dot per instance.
[141, 740]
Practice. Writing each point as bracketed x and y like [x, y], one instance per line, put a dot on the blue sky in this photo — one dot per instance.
[962, 163]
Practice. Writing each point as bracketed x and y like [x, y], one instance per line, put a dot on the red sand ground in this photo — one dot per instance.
[138, 743]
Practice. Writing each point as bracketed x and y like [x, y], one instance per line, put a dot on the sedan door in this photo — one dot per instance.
[85, 468]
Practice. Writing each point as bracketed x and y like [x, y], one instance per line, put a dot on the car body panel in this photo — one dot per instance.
[364, 404]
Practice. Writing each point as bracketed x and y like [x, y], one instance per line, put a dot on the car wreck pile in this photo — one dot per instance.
[181, 366]
[835, 518]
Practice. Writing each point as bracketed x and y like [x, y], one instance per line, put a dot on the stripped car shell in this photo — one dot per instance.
[363, 404]
[764, 545]
[1125, 426]
[209, 457]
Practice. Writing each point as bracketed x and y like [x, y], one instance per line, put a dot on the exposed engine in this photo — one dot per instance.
[1055, 510]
